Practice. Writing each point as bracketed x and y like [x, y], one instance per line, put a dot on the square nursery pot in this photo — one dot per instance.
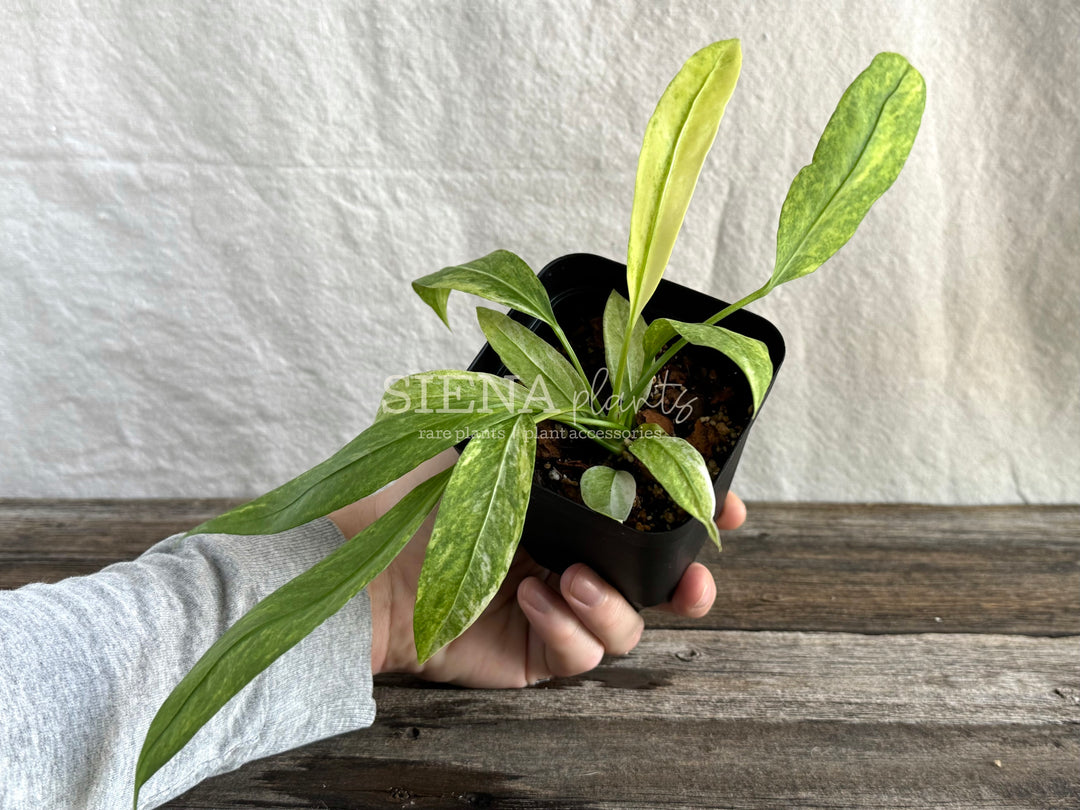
[645, 566]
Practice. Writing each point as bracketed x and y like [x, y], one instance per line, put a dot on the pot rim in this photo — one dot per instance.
[763, 328]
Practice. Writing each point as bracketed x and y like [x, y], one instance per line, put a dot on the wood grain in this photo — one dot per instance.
[721, 719]
[849, 568]
[859, 656]
[927, 679]
[898, 568]
[46, 541]
[656, 763]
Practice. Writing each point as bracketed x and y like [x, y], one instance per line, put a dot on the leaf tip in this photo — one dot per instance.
[423, 637]
[428, 641]
[141, 778]
[434, 298]
[714, 533]
[486, 317]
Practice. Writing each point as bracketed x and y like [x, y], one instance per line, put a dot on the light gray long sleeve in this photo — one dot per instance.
[85, 664]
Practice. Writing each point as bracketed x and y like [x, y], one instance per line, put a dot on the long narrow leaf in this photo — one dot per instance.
[279, 622]
[501, 277]
[616, 319]
[542, 370]
[750, 355]
[861, 152]
[383, 453]
[677, 138]
[681, 471]
[476, 534]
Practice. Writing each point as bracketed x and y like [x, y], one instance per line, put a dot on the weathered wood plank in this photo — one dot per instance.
[673, 674]
[849, 568]
[651, 764]
[711, 717]
[898, 568]
[715, 719]
[46, 541]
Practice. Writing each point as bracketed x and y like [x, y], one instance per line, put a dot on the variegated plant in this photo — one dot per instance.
[483, 499]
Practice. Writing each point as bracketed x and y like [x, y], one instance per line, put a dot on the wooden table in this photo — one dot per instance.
[858, 656]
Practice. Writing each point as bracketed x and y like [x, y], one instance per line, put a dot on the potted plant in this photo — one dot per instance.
[639, 454]
[702, 398]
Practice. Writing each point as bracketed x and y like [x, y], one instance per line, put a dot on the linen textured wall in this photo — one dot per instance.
[210, 213]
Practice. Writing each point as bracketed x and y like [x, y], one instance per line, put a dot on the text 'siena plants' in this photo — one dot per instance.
[482, 500]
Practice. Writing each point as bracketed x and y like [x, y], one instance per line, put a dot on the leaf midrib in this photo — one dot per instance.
[854, 166]
[500, 478]
[667, 178]
[499, 282]
[669, 451]
[540, 371]
[348, 465]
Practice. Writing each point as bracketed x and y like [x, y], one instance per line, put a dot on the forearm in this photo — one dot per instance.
[87, 662]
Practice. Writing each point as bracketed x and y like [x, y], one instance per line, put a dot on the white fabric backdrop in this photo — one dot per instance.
[210, 213]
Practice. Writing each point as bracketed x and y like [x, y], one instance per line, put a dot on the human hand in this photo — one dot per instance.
[539, 625]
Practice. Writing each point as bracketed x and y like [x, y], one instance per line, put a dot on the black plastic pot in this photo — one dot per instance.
[645, 566]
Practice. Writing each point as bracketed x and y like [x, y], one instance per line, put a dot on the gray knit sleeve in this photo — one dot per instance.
[85, 664]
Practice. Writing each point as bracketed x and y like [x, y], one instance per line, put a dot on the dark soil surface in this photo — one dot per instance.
[700, 395]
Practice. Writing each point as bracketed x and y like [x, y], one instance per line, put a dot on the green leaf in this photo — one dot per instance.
[279, 622]
[609, 492]
[677, 138]
[656, 336]
[454, 391]
[647, 428]
[750, 355]
[501, 277]
[616, 317]
[476, 534]
[381, 454]
[681, 471]
[861, 152]
[543, 371]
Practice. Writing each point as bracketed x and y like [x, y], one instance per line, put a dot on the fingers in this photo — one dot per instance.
[695, 593]
[560, 645]
[575, 628]
[602, 609]
[733, 513]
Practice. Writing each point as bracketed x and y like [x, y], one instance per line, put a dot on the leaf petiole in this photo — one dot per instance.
[561, 335]
[611, 445]
[681, 343]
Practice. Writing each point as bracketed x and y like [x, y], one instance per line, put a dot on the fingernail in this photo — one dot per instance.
[585, 590]
[536, 597]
